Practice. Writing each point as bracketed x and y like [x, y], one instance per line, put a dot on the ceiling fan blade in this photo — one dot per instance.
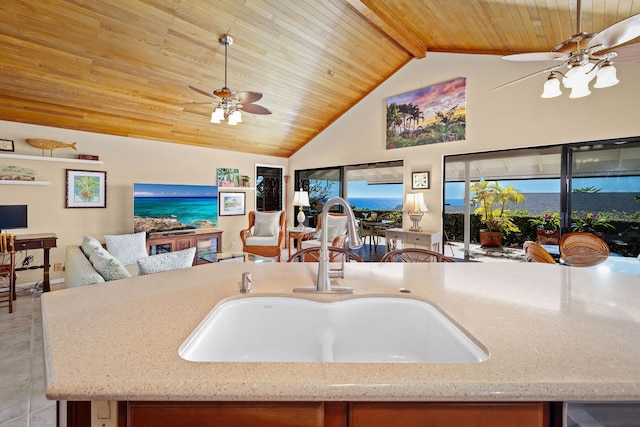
[196, 103]
[248, 97]
[627, 53]
[203, 92]
[255, 109]
[546, 70]
[537, 56]
[620, 32]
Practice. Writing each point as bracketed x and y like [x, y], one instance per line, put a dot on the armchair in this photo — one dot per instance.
[265, 233]
[337, 232]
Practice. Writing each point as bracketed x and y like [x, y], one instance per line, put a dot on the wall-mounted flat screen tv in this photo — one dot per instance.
[13, 217]
[171, 207]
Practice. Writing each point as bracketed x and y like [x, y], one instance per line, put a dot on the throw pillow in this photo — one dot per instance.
[166, 262]
[89, 245]
[332, 233]
[108, 266]
[264, 229]
[127, 248]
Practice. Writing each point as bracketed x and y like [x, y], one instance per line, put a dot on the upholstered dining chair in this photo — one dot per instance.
[265, 234]
[335, 254]
[533, 252]
[580, 249]
[415, 255]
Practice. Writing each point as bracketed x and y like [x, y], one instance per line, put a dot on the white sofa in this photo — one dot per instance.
[125, 256]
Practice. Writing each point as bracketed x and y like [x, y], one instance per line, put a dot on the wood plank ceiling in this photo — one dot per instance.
[122, 67]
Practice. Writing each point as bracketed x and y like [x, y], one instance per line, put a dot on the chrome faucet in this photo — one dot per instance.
[323, 284]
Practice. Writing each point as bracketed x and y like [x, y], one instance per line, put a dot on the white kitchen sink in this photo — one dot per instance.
[369, 329]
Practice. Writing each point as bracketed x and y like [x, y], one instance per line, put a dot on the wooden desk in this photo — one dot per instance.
[297, 234]
[25, 242]
[430, 239]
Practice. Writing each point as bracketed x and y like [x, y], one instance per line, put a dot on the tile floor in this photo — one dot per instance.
[22, 384]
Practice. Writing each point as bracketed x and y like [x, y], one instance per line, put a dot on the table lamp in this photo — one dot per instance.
[301, 199]
[415, 205]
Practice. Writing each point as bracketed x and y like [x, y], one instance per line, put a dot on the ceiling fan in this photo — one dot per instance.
[586, 55]
[228, 102]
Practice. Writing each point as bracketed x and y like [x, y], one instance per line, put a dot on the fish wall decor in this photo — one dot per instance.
[49, 144]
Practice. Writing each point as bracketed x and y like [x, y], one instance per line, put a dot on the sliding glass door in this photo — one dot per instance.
[604, 193]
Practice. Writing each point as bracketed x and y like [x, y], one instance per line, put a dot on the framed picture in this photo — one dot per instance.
[420, 180]
[430, 115]
[6, 145]
[231, 204]
[228, 177]
[86, 189]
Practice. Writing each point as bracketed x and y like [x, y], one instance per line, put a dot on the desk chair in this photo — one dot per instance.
[7, 247]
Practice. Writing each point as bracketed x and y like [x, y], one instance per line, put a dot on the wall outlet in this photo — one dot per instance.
[104, 414]
[57, 266]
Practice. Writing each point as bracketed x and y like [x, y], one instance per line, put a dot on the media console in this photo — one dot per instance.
[205, 240]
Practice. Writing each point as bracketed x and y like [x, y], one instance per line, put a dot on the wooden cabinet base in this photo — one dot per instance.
[448, 414]
[326, 414]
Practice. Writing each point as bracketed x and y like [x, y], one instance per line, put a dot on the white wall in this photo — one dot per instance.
[514, 116]
[126, 160]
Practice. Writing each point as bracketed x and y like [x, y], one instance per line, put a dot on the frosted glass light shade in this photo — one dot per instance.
[580, 90]
[237, 116]
[551, 87]
[606, 77]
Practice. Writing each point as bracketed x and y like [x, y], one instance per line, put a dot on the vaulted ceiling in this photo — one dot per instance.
[123, 67]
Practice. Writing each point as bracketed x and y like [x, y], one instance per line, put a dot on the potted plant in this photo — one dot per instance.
[245, 180]
[493, 207]
[590, 223]
[548, 228]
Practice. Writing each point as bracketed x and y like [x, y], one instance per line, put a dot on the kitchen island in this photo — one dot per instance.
[553, 334]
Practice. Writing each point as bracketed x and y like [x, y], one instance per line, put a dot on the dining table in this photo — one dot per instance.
[371, 229]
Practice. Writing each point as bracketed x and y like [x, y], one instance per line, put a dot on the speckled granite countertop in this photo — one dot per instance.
[552, 332]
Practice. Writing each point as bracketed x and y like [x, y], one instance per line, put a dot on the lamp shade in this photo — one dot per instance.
[415, 203]
[606, 76]
[551, 87]
[300, 198]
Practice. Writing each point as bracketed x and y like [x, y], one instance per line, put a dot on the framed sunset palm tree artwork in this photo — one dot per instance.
[429, 115]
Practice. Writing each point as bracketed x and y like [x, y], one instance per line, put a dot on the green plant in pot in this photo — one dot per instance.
[591, 223]
[493, 203]
[547, 227]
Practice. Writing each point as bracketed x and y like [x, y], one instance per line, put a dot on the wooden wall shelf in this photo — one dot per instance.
[49, 159]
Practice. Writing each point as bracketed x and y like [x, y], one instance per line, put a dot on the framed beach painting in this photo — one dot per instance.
[228, 177]
[430, 115]
[86, 189]
[231, 204]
